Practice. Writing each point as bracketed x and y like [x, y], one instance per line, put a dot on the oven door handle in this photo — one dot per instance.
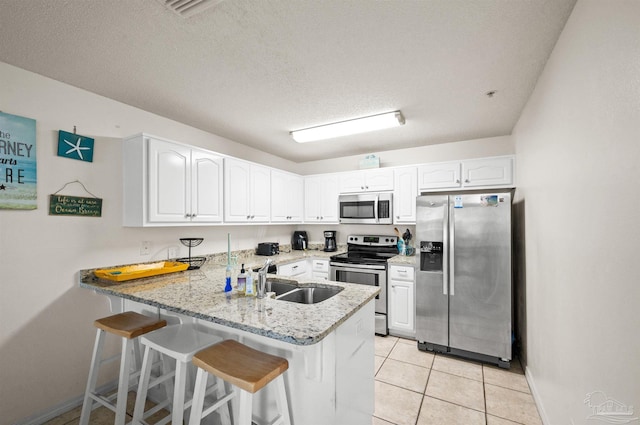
[341, 267]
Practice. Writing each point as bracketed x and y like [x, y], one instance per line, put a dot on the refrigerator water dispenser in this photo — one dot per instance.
[431, 256]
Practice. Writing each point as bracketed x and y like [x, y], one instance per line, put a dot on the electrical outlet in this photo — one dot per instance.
[172, 252]
[145, 248]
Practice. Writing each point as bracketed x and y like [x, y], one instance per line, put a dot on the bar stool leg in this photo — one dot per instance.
[178, 392]
[145, 376]
[281, 400]
[93, 378]
[246, 407]
[225, 415]
[123, 385]
[198, 397]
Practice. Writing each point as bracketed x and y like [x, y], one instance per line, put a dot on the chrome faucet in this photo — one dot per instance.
[262, 279]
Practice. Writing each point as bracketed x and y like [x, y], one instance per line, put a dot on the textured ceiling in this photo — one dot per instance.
[253, 70]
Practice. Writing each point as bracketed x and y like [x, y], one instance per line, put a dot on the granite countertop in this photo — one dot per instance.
[200, 294]
[405, 260]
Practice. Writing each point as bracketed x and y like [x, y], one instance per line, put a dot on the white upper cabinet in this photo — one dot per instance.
[404, 195]
[439, 176]
[247, 192]
[376, 180]
[286, 197]
[488, 172]
[321, 198]
[167, 183]
[468, 174]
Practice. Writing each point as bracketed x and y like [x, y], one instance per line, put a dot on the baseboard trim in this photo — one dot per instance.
[64, 407]
[536, 397]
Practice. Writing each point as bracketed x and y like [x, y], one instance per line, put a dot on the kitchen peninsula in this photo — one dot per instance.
[329, 345]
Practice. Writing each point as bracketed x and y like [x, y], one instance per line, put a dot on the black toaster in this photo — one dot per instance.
[268, 248]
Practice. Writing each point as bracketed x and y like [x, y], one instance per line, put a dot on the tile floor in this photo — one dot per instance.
[418, 388]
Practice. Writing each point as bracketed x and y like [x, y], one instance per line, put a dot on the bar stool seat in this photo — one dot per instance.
[129, 326]
[179, 342]
[248, 370]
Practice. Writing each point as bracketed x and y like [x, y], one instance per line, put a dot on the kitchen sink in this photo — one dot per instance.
[280, 287]
[310, 295]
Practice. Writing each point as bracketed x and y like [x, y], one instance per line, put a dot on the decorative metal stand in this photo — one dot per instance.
[194, 262]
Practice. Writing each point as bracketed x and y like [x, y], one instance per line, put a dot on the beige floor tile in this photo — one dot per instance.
[378, 362]
[378, 421]
[408, 341]
[455, 389]
[67, 417]
[513, 405]
[411, 354]
[506, 378]
[396, 405]
[99, 416]
[405, 375]
[437, 412]
[464, 368]
[494, 420]
[384, 345]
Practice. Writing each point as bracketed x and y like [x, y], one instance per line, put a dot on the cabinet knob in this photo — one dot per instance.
[362, 187]
[398, 217]
[458, 181]
[366, 187]
[248, 217]
[467, 181]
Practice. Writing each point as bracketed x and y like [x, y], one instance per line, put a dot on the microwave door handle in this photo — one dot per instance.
[376, 213]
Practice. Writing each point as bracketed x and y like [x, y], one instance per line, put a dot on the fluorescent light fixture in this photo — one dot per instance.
[346, 128]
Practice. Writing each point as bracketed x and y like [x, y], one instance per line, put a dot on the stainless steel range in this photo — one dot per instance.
[365, 263]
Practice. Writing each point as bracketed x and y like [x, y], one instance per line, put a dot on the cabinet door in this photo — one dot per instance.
[488, 172]
[237, 180]
[312, 199]
[329, 203]
[404, 195]
[169, 182]
[286, 197]
[401, 306]
[439, 176]
[379, 180]
[352, 182]
[206, 187]
[260, 194]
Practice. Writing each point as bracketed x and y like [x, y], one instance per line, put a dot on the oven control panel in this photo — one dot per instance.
[372, 240]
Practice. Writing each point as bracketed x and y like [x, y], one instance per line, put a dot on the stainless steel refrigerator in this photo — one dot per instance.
[463, 284]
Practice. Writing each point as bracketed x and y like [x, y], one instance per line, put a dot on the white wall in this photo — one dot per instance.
[46, 332]
[490, 146]
[578, 169]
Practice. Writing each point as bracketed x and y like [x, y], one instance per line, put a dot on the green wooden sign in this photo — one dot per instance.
[75, 205]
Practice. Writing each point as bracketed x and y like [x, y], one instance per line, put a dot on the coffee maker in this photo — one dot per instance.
[330, 241]
[300, 240]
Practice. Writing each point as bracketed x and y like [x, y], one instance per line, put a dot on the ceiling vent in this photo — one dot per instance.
[188, 8]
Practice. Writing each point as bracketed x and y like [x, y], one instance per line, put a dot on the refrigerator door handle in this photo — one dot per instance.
[452, 237]
[445, 239]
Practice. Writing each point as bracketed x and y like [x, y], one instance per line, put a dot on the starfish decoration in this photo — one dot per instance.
[76, 147]
[2, 187]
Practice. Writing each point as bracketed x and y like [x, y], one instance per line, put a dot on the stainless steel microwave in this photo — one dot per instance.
[366, 208]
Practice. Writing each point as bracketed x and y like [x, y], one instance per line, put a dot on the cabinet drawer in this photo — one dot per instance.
[293, 269]
[320, 266]
[401, 273]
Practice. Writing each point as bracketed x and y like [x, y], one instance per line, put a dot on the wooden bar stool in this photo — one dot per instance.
[179, 342]
[248, 370]
[129, 326]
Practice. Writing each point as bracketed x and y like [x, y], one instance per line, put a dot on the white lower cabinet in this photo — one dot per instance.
[320, 269]
[402, 305]
[297, 268]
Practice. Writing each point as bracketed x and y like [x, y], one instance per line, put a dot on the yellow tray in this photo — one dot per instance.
[137, 271]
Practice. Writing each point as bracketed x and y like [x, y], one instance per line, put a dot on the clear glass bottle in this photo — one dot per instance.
[242, 281]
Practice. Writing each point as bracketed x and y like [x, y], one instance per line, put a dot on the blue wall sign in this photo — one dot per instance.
[75, 146]
[18, 171]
